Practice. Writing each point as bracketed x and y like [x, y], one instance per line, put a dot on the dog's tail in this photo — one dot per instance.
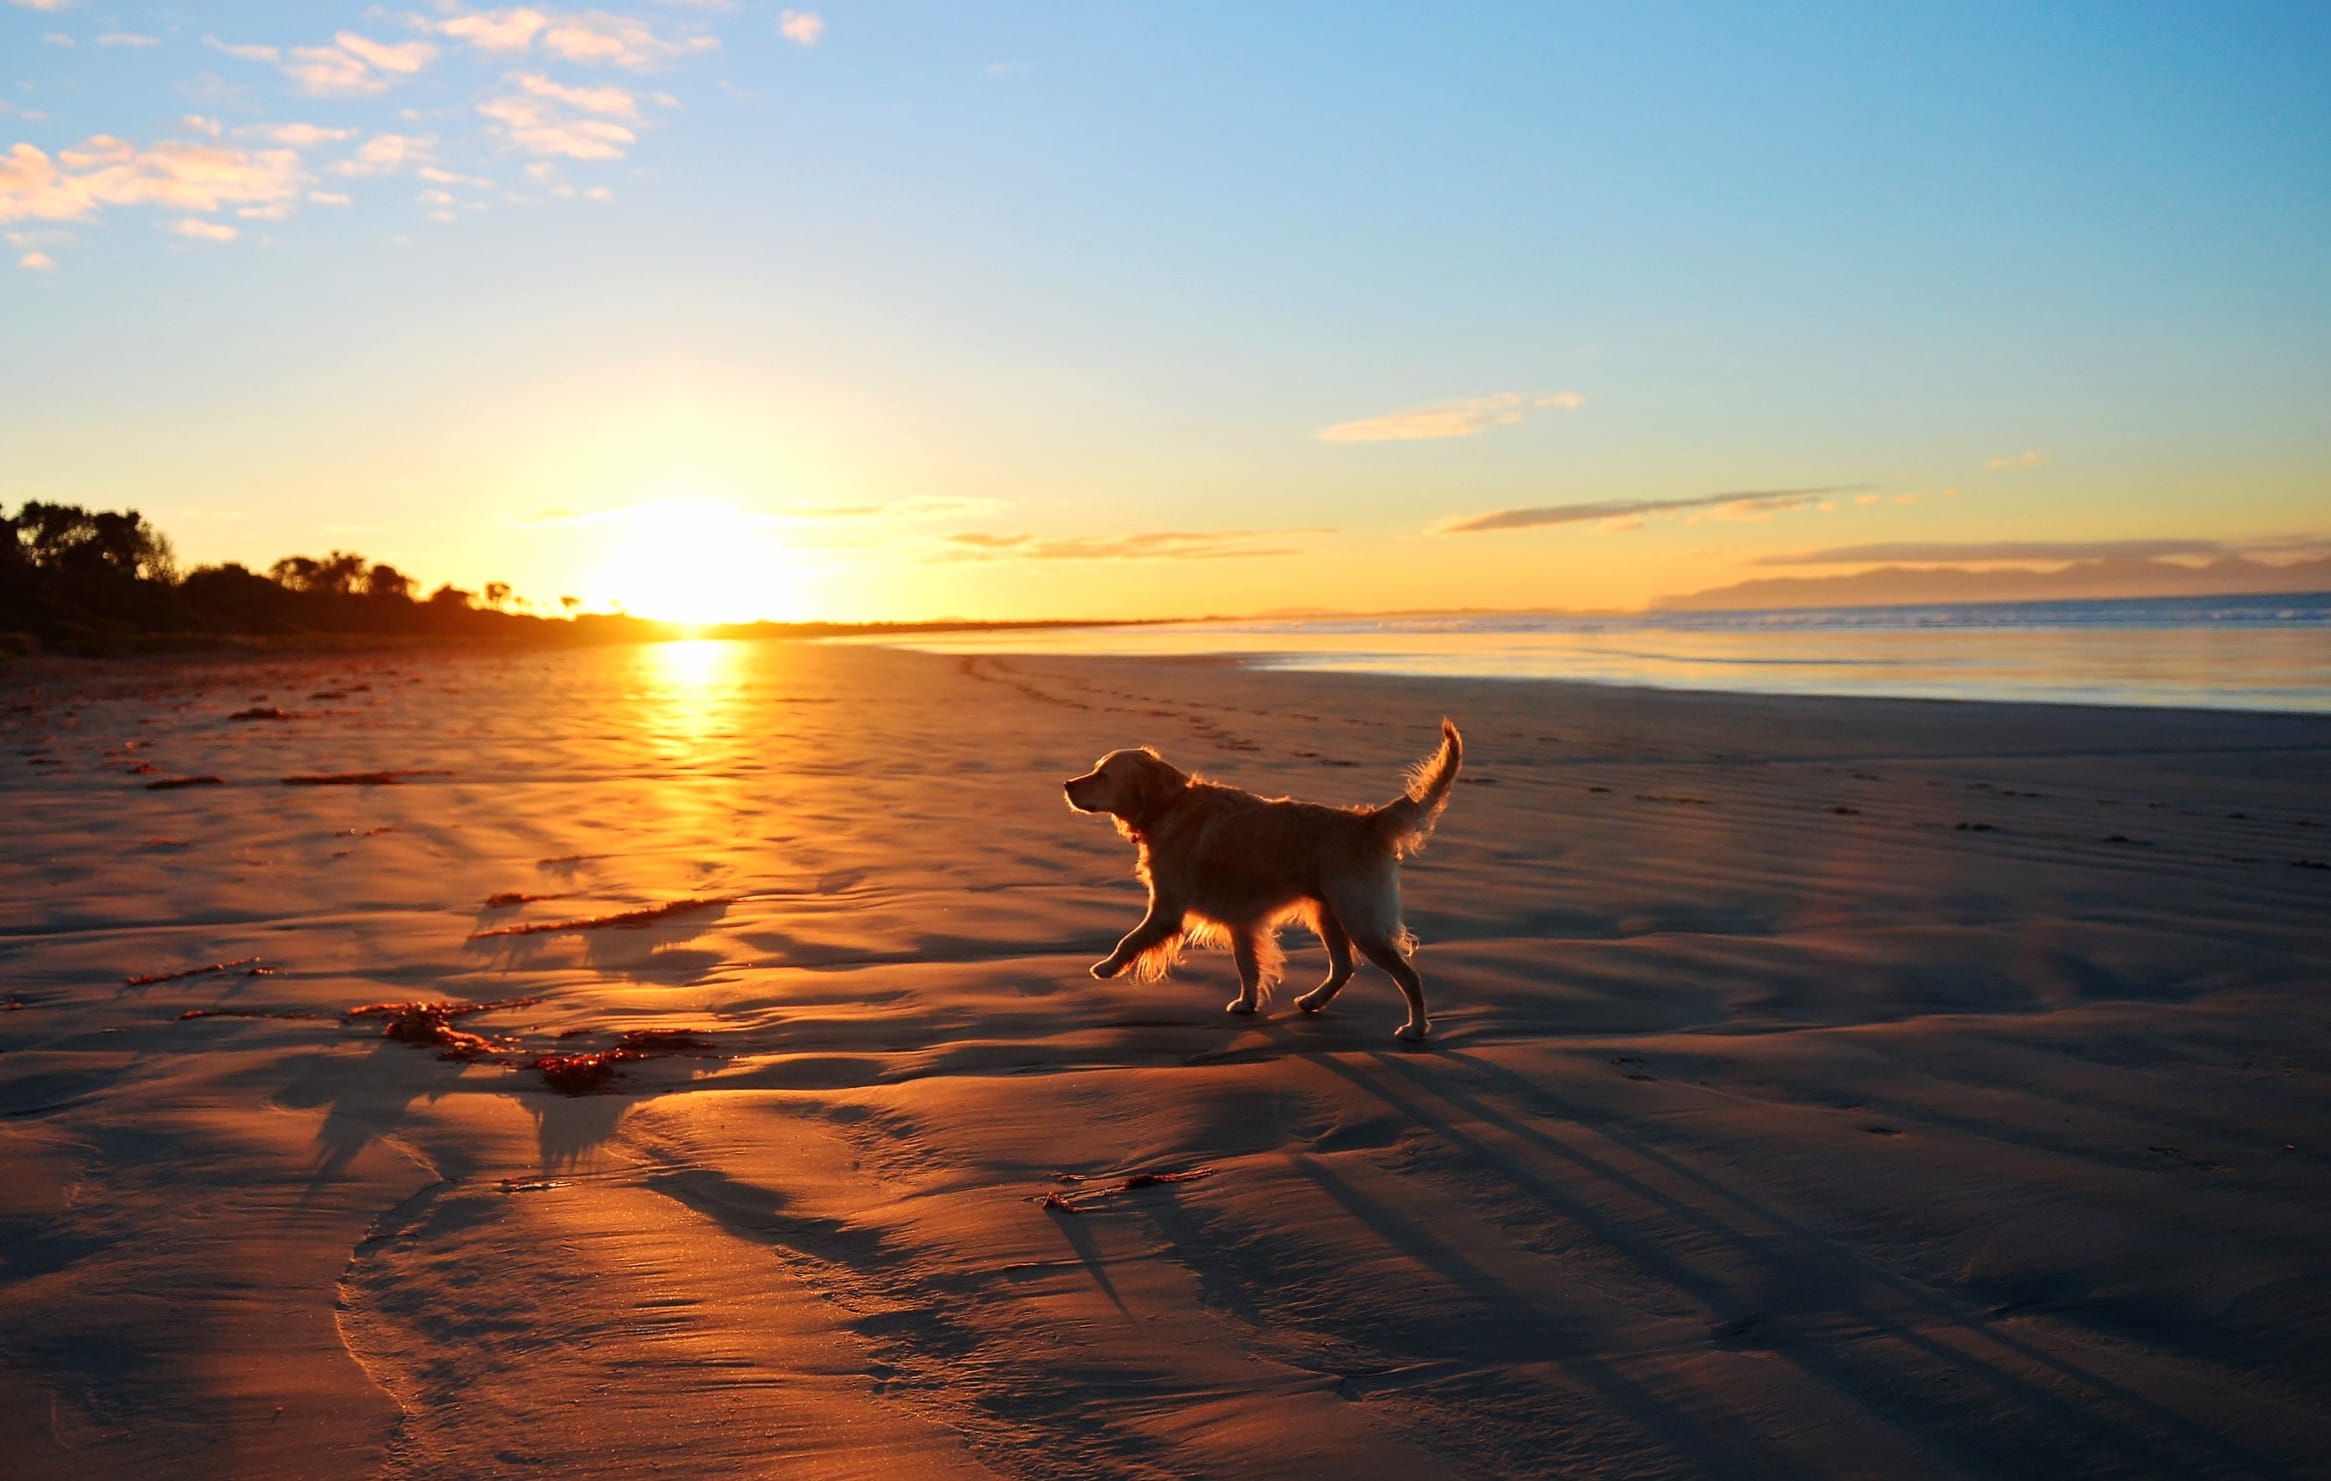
[1406, 822]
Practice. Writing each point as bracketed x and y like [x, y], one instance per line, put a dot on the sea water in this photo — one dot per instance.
[2232, 652]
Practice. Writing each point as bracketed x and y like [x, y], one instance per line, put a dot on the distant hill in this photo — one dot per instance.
[1904, 586]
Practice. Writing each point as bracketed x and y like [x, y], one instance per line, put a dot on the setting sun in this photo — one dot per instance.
[695, 562]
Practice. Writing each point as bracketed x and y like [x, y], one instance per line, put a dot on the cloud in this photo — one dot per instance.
[385, 154]
[406, 57]
[294, 135]
[1156, 545]
[1468, 418]
[37, 262]
[2030, 457]
[354, 65]
[127, 38]
[495, 30]
[535, 125]
[598, 39]
[29, 115]
[1926, 552]
[1749, 505]
[47, 5]
[205, 231]
[929, 508]
[803, 27]
[611, 101]
[175, 174]
[250, 52]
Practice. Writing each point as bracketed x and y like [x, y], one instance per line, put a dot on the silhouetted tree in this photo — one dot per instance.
[387, 583]
[570, 603]
[339, 573]
[70, 540]
[497, 593]
[230, 598]
[451, 597]
[298, 572]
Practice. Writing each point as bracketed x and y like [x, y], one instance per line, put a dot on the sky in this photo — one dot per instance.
[731, 310]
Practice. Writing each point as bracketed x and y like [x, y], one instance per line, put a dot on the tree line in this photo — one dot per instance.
[81, 581]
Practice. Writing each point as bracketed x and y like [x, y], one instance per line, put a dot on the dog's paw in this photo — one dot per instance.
[1412, 1033]
[1239, 1005]
[1106, 969]
[1312, 1002]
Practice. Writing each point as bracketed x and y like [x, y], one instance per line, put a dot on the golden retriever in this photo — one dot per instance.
[1222, 863]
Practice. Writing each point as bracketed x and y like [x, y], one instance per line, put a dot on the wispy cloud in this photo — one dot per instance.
[37, 262]
[1467, 418]
[354, 65]
[1749, 505]
[494, 30]
[1154, 545]
[127, 38]
[2030, 457]
[294, 135]
[534, 124]
[385, 154]
[176, 175]
[598, 39]
[1974, 552]
[251, 51]
[51, 6]
[802, 27]
[205, 231]
[612, 101]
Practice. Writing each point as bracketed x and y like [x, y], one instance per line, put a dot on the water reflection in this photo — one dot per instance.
[692, 687]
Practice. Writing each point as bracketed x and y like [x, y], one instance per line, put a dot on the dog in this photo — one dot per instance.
[1225, 864]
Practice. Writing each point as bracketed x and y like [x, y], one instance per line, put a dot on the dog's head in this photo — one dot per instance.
[1132, 786]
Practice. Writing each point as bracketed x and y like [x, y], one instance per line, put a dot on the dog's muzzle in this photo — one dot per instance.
[1069, 790]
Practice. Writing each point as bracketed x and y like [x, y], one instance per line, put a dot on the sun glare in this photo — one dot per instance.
[699, 563]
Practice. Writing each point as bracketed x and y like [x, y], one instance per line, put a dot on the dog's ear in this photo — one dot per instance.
[1152, 784]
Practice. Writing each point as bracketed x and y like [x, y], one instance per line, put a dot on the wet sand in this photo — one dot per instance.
[1818, 1087]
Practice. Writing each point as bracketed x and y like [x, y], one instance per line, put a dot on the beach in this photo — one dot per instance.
[1818, 1087]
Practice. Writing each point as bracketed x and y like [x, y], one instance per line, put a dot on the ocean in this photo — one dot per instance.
[2232, 652]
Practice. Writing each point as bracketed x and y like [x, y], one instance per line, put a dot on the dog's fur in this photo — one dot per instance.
[1222, 864]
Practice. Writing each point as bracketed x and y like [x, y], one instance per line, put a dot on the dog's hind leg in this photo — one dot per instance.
[1386, 954]
[1339, 961]
[1367, 906]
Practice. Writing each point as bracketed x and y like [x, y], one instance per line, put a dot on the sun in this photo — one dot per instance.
[698, 563]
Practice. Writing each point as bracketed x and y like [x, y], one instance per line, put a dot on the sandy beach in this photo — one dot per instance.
[1819, 1087]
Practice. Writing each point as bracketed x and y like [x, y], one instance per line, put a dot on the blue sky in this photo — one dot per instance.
[961, 308]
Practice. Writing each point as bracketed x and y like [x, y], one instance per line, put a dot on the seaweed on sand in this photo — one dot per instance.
[591, 1072]
[1076, 1203]
[433, 1024]
[624, 920]
[247, 965]
[356, 778]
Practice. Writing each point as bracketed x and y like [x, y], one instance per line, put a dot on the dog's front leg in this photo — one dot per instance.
[1156, 929]
[1250, 972]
